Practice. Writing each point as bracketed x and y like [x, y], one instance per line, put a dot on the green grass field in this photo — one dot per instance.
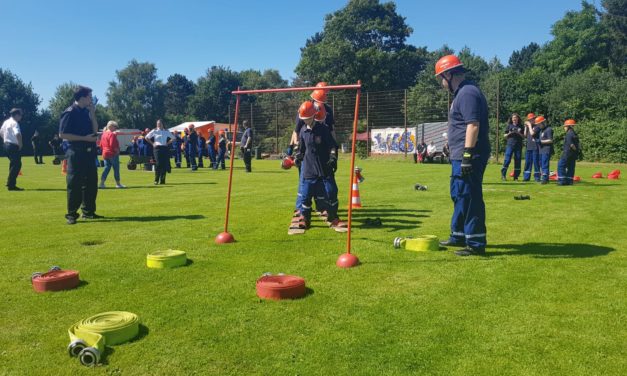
[549, 299]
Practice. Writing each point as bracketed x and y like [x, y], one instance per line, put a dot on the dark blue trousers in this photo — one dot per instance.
[212, 157]
[15, 163]
[318, 188]
[532, 161]
[566, 170]
[544, 166]
[509, 152]
[220, 160]
[468, 221]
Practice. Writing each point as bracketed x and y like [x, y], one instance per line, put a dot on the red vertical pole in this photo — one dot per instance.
[352, 171]
[228, 195]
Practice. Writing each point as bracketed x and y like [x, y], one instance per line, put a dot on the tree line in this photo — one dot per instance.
[580, 73]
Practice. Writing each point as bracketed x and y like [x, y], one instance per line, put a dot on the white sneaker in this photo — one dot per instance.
[102, 186]
[118, 185]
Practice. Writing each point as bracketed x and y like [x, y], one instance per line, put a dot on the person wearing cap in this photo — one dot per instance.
[317, 157]
[211, 149]
[78, 125]
[246, 145]
[514, 134]
[532, 157]
[111, 154]
[545, 147]
[160, 139]
[12, 138]
[570, 152]
[468, 130]
[222, 144]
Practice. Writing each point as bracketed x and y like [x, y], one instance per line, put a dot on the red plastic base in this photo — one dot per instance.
[347, 260]
[281, 287]
[224, 237]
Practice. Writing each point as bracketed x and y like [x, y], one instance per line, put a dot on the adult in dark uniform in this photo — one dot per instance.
[246, 145]
[211, 149]
[202, 150]
[570, 152]
[78, 125]
[176, 149]
[160, 139]
[222, 143]
[468, 130]
[191, 146]
[38, 152]
[55, 144]
[532, 157]
[545, 147]
[514, 134]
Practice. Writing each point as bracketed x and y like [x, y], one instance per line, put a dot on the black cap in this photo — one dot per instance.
[15, 111]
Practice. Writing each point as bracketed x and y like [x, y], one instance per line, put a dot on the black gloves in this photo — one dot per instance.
[332, 163]
[467, 161]
[298, 160]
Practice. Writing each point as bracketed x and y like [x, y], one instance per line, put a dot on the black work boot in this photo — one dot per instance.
[470, 251]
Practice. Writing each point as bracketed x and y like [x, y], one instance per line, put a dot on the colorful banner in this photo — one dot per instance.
[392, 140]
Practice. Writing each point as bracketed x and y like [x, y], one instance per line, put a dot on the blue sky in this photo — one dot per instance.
[48, 43]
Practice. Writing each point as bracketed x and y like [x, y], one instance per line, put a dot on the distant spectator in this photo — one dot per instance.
[37, 148]
[111, 154]
[12, 138]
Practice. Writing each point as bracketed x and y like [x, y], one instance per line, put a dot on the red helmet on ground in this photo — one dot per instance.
[531, 116]
[307, 110]
[539, 119]
[319, 95]
[191, 126]
[570, 123]
[447, 63]
[321, 114]
[287, 163]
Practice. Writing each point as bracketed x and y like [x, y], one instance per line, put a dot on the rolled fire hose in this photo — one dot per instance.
[280, 286]
[422, 243]
[88, 337]
[55, 279]
[169, 258]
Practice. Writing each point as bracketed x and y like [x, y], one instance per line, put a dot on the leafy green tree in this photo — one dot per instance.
[579, 41]
[136, 98]
[614, 19]
[522, 60]
[15, 93]
[363, 41]
[178, 90]
[213, 94]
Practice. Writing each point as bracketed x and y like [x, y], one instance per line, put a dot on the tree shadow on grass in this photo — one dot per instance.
[191, 183]
[153, 218]
[550, 250]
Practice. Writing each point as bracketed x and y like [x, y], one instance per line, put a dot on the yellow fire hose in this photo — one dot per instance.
[422, 243]
[88, 337]
[166, 259]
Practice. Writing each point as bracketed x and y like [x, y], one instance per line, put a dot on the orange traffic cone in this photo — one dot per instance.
[355, 199]
[19, 173]
[64, 167]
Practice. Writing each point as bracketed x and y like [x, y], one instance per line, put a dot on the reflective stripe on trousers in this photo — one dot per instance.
[468, 220]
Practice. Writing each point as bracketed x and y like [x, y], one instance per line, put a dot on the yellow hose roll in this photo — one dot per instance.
[421, 243]
[89, 337]
[166, 259]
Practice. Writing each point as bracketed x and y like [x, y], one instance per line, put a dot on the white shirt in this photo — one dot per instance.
[9, 131]
[160, 136]
[431, 149]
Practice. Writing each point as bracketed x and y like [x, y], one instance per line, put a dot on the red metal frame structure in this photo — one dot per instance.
[346, 260]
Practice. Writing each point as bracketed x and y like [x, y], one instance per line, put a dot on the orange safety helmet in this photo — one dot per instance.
[319, 95]
[539, 119]
[447, 63]
[531, 116]
[570, 123]
[322, 84]
[321, 114]
[307, 110]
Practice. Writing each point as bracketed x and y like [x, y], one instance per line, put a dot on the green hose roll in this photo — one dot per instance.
[89, 337]
[421, 243]
[166, 259]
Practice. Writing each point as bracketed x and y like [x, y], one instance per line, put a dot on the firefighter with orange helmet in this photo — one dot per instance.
[545, 147]
[532, 157]
[570, 152]
[468, 130]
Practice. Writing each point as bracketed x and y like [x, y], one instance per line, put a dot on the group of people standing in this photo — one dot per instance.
[539, 144]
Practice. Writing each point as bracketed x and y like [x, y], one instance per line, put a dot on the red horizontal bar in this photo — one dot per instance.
[290, 89]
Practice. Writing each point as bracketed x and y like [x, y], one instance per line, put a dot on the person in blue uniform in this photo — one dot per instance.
[191, 146]
[532, 157]
[468, 130]
[317, 157]
[176, 149]
[247, 145]
[211, 149]
[514, 135]
[202, 150]
[78, 125]
[545, 148]
[222, 143]
[570, 152]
